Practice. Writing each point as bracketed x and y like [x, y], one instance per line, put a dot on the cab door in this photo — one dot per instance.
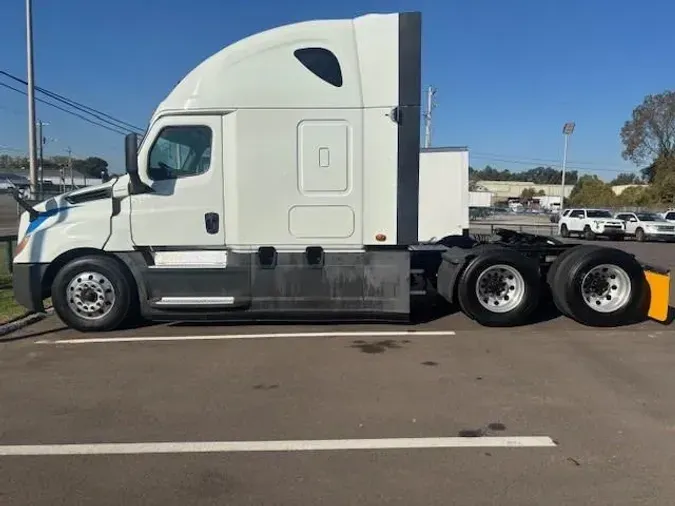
[181, 160]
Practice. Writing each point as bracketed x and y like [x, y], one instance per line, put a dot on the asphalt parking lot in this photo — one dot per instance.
[444, 412]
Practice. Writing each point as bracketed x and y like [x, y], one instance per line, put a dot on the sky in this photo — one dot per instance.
[508, 74]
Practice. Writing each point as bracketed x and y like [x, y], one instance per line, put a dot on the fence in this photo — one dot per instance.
[8, 242]
[529, 228]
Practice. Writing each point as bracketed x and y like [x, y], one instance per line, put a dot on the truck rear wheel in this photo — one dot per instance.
[499, 288]
[550, 276]
[92, 294]
[600, 287]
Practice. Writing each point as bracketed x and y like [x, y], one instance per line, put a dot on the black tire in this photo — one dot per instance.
[588, 233]
[550, 276]
[566, 287]
[640, 235]
[112, 272]
[564, 231]
[468, 280]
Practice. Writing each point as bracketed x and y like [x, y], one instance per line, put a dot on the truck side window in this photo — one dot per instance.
[180, 151]
[322, 63]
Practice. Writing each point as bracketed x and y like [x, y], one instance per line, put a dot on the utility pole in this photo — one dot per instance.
[70, 167]
[41, 158]
[31, 99]
[431, 105]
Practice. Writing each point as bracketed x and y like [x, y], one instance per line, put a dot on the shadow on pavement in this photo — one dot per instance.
[14, 337]
[420, 315]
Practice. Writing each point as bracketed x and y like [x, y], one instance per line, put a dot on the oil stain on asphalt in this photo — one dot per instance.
[482, 431]
[263, 386]
[373, 347]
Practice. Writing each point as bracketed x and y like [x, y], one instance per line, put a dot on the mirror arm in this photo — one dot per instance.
[136, 185]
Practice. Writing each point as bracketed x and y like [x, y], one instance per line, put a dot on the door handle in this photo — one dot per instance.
[212, 223]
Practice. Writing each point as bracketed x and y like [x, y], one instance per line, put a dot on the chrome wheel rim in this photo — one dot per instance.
[500, 288]
[606, 288]
[91, 295]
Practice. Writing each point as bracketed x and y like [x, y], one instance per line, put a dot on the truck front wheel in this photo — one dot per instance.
[499, 288]
[92, 294]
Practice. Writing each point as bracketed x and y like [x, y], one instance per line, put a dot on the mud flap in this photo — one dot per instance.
[659, 292]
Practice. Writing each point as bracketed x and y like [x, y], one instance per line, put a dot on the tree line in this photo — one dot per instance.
[538, 175]
[91, 166]
[648, 139]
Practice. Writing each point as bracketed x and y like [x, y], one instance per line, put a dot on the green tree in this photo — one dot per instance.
[90, 167]
[592, 191]
[527, 195]
[538, 175]
[650, 133]
[640, 196]
[663, 187]
[626, 178]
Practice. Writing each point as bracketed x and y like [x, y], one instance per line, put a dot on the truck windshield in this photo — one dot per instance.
[596, 213]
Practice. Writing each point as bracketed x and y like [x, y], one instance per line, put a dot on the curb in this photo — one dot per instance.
[24, 321]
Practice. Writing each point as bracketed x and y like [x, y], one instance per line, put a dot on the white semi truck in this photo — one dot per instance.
[280, 179]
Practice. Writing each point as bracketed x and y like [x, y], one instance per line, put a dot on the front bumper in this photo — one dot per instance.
[27, 281]
[610, 231]
[657, 234]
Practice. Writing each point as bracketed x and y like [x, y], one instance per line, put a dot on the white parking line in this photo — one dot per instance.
[131, 339]
[275, 446]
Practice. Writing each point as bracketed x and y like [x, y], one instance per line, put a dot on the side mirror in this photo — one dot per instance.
[136, 186]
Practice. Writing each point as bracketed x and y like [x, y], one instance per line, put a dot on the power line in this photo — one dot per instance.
[84, 118]
[527, 158]
[524, 162]
[8, 148]
[100, 115]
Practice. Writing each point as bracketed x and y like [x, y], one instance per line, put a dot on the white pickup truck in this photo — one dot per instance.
[591, 223]
[644, 226]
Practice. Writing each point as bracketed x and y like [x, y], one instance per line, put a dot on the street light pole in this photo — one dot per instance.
[568, 128]
[32, 144]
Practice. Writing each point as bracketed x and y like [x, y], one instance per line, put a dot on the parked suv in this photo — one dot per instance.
[591, 223]
[647, 226]
[669, 215]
